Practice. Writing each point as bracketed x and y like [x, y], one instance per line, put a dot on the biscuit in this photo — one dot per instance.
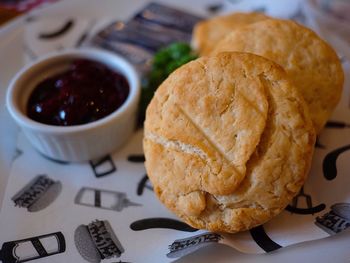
[206, 34]
[311, 63]
[228, 141]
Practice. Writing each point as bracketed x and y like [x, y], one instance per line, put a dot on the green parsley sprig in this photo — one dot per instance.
[164, 62]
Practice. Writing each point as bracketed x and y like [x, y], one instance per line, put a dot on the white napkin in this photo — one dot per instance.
[126, 197]
[115, 190]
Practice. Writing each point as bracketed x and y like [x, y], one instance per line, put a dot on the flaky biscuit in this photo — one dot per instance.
[206, 34]
[228, 141]
[311, 63]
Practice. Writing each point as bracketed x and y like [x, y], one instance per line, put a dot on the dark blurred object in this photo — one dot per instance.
[214, 8]
[6, 15]
[155, 40]
[10, 2]
[23, 5]
[152, 28]
[12, 8]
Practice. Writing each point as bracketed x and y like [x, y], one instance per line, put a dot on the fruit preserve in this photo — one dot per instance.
[83, 93]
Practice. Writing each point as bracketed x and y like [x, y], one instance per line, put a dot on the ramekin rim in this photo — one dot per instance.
[24, 121]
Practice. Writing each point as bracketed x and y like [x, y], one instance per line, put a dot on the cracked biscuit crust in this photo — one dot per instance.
[310, 62]
[207, 33]
[228, 141]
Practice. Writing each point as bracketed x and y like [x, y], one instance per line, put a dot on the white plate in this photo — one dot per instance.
[334, 249]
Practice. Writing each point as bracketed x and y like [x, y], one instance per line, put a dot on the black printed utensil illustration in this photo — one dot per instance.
[97, 241]
[38, 193]
[143, 183]
[32, 248]
[262, 239]
[294, 208]
[54, 160]
[105, 199]
[68, 25]
[103, 166]
[336, 220]
[337, 125]
[182, 247]
[329, 164]
[136, 158]
[161, 222]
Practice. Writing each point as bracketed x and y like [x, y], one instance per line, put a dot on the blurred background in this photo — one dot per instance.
[12, 8]
[331, 16]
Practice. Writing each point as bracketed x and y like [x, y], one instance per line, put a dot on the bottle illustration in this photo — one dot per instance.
[104, 199]
[32, 248]
[38, 193]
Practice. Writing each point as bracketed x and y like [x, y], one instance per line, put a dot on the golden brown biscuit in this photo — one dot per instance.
[228, 141]
[311, 63]
[207, 33]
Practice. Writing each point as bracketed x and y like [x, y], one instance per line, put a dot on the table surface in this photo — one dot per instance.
[334, 249]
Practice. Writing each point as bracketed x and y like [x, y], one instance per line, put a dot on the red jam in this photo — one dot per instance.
[85, 92]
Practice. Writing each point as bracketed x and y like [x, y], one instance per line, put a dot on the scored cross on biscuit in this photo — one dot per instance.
[228, 141]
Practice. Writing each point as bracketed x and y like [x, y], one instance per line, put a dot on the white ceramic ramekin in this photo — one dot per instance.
[79, 142]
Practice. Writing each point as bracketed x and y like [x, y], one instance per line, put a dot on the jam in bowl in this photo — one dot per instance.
[76, 105]
[86, 91]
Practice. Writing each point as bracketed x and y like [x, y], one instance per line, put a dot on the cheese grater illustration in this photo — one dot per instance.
[32, 248]
[38, 193]
[181, 247]
[104, 199]
[97, 241]
[336, 220]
